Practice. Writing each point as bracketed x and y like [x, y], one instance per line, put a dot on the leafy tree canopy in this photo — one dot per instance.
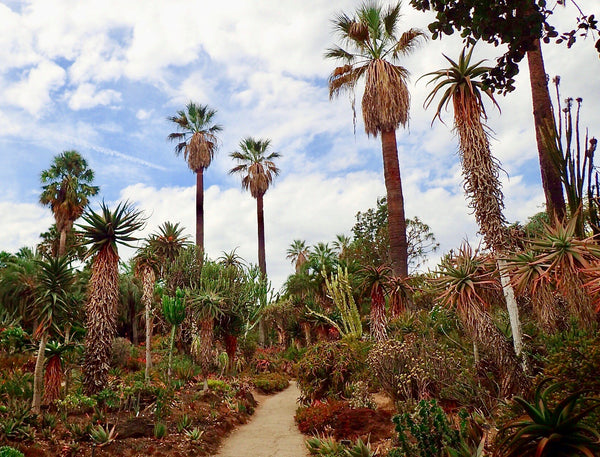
[516, 23]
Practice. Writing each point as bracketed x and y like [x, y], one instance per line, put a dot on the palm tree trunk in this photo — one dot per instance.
[171, 346]
[200, 210]
[62, 244]
[260, 217]
[38, 376]
[544, 122]
[395, 201]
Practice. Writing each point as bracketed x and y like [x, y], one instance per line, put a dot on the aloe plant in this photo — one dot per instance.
[174, 312]
[546, 430]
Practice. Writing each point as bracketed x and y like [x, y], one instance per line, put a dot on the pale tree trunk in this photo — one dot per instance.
[206, 347]
[38, 376]
[148, 280]
[511, 306]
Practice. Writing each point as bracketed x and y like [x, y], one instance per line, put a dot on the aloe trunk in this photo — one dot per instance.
[38, 377]
[171, 345]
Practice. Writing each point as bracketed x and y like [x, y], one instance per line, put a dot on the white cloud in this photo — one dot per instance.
[22, 224]
[86, 97]
[32, 93]
[143, 114]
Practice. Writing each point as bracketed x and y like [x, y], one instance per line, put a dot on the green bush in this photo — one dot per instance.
[327, 367]
[7, 451]
[269, 383]
[425, 433]
[574, 358]
[14, 339]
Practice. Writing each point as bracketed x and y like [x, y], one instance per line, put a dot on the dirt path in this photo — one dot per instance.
[272, 431]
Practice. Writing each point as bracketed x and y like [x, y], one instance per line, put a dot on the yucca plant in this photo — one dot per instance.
[103, 232]
[561, 259]
[373, 279]
[174, 311]
[466, 281]
[546, 430]
[52, 305]
[146, 267]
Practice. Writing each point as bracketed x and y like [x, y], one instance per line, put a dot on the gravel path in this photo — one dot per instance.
[272, 431]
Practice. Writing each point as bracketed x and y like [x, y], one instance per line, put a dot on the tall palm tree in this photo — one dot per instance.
[52, 304]
[146, 268]
[464, 88]
[298, 254]
[103, 233]
[67, 189]
[197, 140]
[257, 170]
[372, 48]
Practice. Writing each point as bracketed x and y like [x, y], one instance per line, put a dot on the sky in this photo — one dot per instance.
[102, 76]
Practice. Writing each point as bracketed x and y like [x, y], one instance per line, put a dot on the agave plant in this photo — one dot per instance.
[545, 430]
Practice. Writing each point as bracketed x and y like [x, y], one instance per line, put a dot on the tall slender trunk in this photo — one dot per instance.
[395, 201]
[513, 310]
[260, 217]
[147, 291]
[262, 261]
[133, 323]
[38, 376]
[200, 209]
[62, 244]
[544, 124]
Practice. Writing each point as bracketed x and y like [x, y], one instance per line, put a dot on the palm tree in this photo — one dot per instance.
[67, 189]
[146, 268]
[198, 142]
[298, 254]
[168, 241]
[103, 233]
[463, 86]
[341, 245]
[52, 304]
[373, 50]
[257, 170]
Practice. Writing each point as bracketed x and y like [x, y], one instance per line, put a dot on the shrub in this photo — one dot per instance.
[120, 352]
[269, 383]
[320, 417]
[415, 368]
[218, 385]
[574, 357]
[7, 451]
[360, 397]
[425, 433]
[327, 367]
[14, 339]
[185, 369]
